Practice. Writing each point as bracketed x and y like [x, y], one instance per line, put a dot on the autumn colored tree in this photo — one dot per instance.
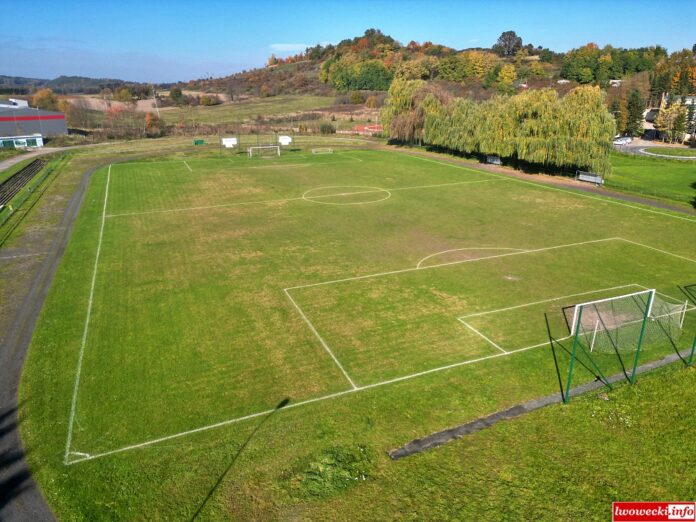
[123, 94]
[506, 78]
[154, 126]
[45, 99]
[671, 122]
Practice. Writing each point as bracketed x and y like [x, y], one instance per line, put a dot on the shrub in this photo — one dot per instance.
[326, 128]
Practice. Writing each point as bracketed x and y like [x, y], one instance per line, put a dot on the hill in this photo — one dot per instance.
[62, 84]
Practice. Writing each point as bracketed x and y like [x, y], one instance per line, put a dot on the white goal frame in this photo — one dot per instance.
[650, 292]
[251, 150]
[322, 150]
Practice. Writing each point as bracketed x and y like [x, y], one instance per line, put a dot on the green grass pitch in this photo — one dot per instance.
[195, 296]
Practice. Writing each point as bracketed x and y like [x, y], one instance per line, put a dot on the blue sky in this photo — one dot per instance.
[180, 40]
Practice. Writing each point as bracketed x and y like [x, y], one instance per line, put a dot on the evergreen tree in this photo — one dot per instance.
[636, 105]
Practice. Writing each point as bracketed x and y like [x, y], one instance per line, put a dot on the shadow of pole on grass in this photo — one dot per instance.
[555, 359]
[280, 406]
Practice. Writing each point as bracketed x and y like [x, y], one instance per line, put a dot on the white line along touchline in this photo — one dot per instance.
[76, 386]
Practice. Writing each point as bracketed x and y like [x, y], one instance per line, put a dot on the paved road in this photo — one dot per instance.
[638, 147]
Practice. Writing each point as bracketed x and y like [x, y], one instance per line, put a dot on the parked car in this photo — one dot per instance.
[624, 140]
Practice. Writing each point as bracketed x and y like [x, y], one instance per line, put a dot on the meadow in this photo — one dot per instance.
[242, 111]
[660, 178]
[672, 151]
[234, 337]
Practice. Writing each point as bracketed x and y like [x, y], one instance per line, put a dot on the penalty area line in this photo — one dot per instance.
[321, 339]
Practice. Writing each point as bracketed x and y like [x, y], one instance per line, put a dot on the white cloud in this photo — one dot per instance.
[288, 47]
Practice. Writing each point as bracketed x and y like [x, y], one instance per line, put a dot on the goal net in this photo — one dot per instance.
[622, 327]
[322, 150]
[616, 324]
[264, 150]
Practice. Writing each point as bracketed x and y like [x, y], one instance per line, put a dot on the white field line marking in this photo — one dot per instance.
[80, 454]
[19, 256]
[657, 250]
[371, 190]
[279, 200]
[604, 199]
[73, 404]
[321, 340]
[675, 300]
[187, 166]
[303, 403]
[465, 248]
[480, 334]
[189, 209]
[405, 270]
[508, 308]
[344, 155]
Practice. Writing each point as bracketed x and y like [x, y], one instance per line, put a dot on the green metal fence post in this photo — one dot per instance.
[648, 305]
[566, 397]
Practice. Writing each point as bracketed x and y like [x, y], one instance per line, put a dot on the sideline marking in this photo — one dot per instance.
[73, 405]
[321, 340]
[187, 166]
[657, 250]
[539, 184]
[300, 403]
[465, 248]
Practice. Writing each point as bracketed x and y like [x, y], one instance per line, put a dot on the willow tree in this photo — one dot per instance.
[586, 129]
[536, 114]
[407, 106]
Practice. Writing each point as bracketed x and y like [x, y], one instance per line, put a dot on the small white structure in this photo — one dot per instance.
[563, 81]
[229, 143]
[284, 140]
[614, 83]
[13, 142]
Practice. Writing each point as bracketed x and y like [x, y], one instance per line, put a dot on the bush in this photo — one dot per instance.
[326, 128]
[356, 98]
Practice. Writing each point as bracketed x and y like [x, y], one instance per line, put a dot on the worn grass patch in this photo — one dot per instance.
[220, 291]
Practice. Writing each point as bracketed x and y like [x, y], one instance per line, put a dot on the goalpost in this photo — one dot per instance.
[322, 150]
[621, 325]
[264, 150]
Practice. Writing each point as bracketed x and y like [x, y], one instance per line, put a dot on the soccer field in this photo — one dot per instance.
[198, 294]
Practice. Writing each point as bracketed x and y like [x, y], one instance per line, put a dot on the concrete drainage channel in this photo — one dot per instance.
[443, 437]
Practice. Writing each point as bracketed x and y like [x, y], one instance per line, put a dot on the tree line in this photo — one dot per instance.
[535, 126]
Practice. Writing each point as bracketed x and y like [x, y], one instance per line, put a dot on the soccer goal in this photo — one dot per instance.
[264, 150]
[621, 326]
[322, 150]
